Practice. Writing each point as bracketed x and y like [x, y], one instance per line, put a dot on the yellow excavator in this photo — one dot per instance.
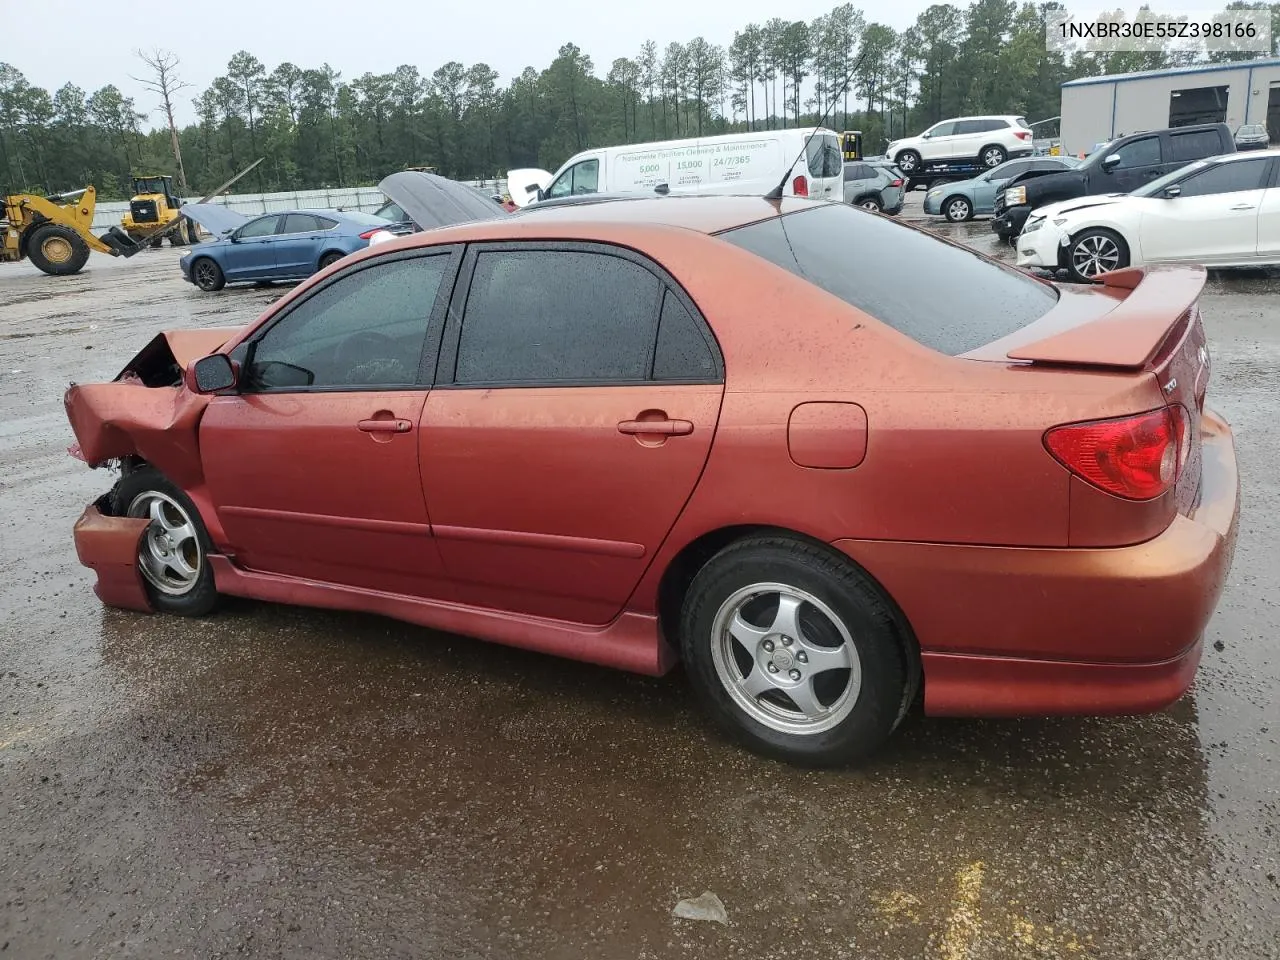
[56, 232]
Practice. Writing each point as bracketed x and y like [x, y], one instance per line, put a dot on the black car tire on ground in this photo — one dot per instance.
[57, 250]
[992, 155]
[957, 209]
[865, 704]
[207, 275]
[1093, 251]
[908, 161]
[869, 202]
[134, 495]
[329, 259]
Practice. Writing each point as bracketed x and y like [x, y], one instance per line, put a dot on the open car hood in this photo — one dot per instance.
[523, 184]
[214, 217]
[435, 201]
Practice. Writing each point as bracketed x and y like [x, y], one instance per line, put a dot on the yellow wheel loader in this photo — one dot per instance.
[155, 204]
[56, 232]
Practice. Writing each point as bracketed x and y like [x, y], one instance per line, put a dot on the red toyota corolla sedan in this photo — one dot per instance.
[829, 460]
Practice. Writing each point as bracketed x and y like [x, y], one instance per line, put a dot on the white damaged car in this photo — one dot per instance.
[1221, 212]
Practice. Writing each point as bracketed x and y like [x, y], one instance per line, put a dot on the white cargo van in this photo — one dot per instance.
[734, 163]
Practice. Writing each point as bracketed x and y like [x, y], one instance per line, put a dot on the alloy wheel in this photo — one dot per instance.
[786, 658]
[170, 555]
[1094, 254]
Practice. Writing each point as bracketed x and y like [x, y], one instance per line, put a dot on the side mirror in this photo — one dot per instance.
[1172, 191]
[925, 136]
[1111, 162]
[211, 374]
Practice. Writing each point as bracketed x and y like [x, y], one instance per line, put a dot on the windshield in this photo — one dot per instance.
[961, 302]
[1156, 186]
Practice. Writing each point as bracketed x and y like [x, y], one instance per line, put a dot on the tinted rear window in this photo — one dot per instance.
[944, 297]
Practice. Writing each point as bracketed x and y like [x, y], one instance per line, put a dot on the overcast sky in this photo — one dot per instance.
[96, 41]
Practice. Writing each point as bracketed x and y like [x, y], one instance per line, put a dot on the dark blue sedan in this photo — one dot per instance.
[277, 246]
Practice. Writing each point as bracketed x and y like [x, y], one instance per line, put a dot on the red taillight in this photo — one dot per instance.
[896, 183]
[1022, 134]
[1136, 457]
[800, 186]
[369, 233]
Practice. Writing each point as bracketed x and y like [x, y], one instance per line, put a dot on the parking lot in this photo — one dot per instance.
[284, 782]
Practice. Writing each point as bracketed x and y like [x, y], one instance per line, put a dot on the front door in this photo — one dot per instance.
[312, 466]
[1213, 219]
[939, 143]
[251, 253]
[1140, 162]
[577, 397]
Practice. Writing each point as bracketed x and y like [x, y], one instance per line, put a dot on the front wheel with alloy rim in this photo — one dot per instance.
[1094, 252]
[957, 209]
[207, 275]
[908, 161]
[173, 555]
[794, 652]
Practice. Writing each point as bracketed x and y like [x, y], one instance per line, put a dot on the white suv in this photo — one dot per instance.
[988, 140]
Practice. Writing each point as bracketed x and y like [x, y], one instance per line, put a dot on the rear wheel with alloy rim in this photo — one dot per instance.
[794, 651]
[1094, 252]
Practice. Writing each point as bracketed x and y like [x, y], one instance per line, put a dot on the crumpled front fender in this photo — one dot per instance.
[158, 424]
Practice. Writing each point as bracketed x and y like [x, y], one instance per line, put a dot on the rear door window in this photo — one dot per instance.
[960, 303]
[557, 317]
[1184, 147]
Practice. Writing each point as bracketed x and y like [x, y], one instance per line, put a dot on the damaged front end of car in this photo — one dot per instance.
[144, 416]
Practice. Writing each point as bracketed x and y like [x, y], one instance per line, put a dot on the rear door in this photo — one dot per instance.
[251, 251]
[577, 395]
[297, 244]
[1214, 219]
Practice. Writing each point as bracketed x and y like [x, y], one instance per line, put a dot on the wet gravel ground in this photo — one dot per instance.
[277, 782]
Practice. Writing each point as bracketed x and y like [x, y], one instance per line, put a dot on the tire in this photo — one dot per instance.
[992, 155]
[957, 209]
[329, 259]
[173, 557]
[852, 710]
[208, 275]
[908, 161]
[1095, 251]
[157, 243]
[871, 203]
[192, 232]
[57, 250]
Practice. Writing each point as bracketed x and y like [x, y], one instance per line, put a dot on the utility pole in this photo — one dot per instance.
[165, 83]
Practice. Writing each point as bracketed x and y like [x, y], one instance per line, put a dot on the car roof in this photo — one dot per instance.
[703, 214]
[614, 220]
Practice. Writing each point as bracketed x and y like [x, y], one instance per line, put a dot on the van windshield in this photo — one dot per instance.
[962, 301]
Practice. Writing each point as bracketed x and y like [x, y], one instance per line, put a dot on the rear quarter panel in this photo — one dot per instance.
[954, 447]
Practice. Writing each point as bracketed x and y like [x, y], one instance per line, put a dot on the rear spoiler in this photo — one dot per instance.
[1130, 336]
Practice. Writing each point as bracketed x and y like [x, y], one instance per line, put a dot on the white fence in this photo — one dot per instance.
[365, 199]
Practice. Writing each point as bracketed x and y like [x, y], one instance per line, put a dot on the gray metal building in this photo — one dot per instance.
[1096, 109]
